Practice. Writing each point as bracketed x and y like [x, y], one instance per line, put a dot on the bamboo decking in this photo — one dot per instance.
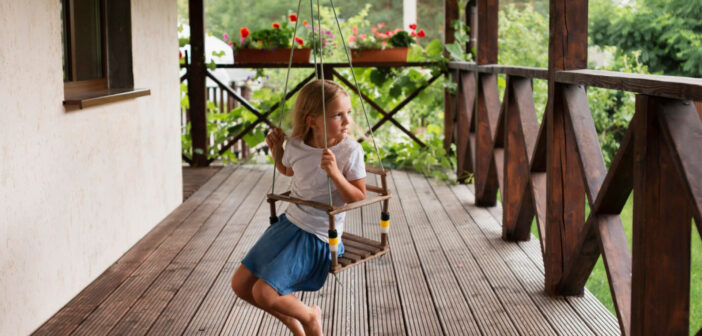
[448, 272]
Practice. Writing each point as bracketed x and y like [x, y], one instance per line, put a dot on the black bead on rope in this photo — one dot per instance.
[385, 216]
[273, 219]
[333, 234]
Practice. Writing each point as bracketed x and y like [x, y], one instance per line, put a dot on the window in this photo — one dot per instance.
[84, 48]
[97, 52]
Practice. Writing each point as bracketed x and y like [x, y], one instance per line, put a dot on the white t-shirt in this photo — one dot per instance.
[309, 182]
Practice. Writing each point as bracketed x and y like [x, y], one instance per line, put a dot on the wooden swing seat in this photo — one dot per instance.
[357, 249]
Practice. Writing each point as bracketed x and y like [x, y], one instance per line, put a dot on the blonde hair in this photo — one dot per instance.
[308, 104]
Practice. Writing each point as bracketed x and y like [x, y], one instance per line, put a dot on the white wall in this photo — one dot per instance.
[78, 189]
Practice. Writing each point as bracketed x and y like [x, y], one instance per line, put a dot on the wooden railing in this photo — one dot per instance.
[329, 70]
[225, 98]
[548, 170]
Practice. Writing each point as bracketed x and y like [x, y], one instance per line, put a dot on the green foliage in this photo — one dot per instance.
[401, 39]
[667, 33]
[457, 49]
[272, 38]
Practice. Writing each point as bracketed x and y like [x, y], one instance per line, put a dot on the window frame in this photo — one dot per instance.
[117, 81]
[73, 87]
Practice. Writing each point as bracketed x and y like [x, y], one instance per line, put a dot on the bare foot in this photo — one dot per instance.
[294, 325]
[314, 326]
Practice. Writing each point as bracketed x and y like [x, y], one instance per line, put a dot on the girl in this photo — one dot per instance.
[293, 254]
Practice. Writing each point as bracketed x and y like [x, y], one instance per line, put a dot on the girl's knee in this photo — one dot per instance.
[261, 292]
[240, 284]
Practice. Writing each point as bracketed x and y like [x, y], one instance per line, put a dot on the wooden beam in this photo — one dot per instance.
[655, 85]
[487, 31]
[565, 190]
[464, 116]
[196, 84]
[450, 15]
[661, 230]
[487, 115]
[521, 128]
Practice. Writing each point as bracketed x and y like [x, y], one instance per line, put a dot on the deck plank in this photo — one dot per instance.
[454, 312]
[481, 288]
[591, 310]
[142, 315]
[448, 271]
[243, 318]
[183, 306]
[110, 311]
[66, 320]
[420, 315]
[562, 317]
[385, 307]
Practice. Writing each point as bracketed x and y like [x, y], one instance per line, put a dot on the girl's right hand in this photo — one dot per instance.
[275, 139]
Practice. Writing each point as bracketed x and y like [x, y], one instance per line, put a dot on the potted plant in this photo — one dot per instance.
[390, 46]
[270, 45]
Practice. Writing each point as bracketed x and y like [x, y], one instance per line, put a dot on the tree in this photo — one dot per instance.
[667, 32]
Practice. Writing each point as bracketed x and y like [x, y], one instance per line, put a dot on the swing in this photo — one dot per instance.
[357, 249]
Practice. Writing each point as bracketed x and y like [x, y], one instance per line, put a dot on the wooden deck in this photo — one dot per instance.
[448, 272]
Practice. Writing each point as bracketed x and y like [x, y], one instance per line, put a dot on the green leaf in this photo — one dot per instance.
[234, 130]
[248, 115]
[434, 48]
[254, 138]
[416, 54]
[456, 51]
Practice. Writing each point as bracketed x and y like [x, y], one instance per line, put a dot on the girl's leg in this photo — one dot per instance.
[242, 284]
[290, 305]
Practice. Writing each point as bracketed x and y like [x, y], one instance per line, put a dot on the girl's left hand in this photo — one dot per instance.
[329, 162]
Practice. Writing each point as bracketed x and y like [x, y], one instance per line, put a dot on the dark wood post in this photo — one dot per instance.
[565, 190]
[521, 129]
[196, 84]
[488, 106]
[450, 14]
[662, 228]
[246, 94]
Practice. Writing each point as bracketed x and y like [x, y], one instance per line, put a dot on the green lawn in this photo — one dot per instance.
[599, 286]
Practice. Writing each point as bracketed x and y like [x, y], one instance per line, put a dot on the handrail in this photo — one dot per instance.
[521, 71]
[675, 87]
[655, 85]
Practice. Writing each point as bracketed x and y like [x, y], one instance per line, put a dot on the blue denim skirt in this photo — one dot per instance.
[290, 259]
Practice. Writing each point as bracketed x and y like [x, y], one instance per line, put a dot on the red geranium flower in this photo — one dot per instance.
[304, 22]
[299, 41]
[413, 33]
[244, 32]
[413, 26]
[292, 17]
[276, 25]
[421, 33]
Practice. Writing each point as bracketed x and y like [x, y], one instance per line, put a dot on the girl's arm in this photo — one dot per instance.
[283, 169]
[350, 191]
[275, 139]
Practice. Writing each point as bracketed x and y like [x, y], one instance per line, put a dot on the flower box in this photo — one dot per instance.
[244, 56]
[379, 55]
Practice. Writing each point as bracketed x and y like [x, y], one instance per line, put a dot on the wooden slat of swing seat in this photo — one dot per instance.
[367, 248]
[357, 250]
[362, 241]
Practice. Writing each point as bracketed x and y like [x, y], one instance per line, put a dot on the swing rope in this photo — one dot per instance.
[320, 73]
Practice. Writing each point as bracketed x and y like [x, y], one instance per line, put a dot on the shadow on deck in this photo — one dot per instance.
[448, 272]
